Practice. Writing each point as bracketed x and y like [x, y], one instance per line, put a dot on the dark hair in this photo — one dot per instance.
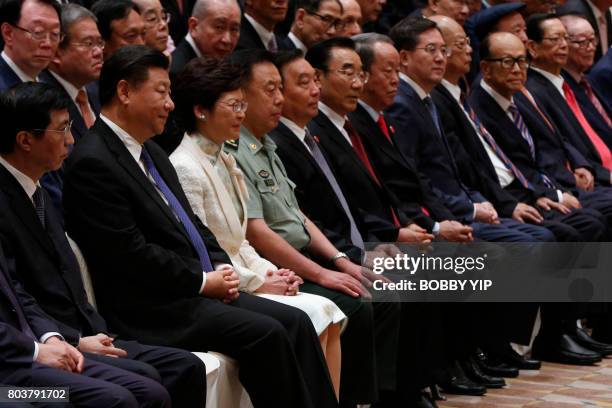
[485, 48]
[130, 63]
[107, 11]
[405, 34]
[314, 5]
[247, 59]
[534, 25]
[10, 10]
[202, 83]
[287, 57]
[27, 106]
[364, 45]
[319, 54]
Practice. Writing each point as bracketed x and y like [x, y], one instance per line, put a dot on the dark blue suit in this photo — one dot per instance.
[419, 141]
[8, 77]
[601, 78]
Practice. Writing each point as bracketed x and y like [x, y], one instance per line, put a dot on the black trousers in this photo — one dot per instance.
[99, 385]
[182, 373]
[583, 225]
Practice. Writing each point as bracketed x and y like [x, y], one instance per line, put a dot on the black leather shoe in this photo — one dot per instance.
[581, 337]
[424, 401]
[514, 359]
[463, 387]
[473, 372]
[494, 369]
[565, 350]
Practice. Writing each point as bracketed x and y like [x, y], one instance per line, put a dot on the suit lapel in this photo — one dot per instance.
[290, 138]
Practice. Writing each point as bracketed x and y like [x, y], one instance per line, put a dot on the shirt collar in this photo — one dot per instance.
[336, 119]
[191, 42]
[297, 42]
[70, 89]
[22, 75]
[28, 185]
[262, 31]
[371, 111]
[128, 141]
[294, 128]
[417, 88]
[253, 144]
[455, 90]
[503, 102]
[556, 80]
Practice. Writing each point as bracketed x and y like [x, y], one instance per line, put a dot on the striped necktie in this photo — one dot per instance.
[39, 203]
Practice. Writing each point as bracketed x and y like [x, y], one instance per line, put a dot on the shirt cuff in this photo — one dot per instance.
[46, 336]
[35, 351]
[560, 196]
[436, 229]
[203, 282]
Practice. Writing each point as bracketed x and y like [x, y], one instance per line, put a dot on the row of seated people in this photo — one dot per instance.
[266, 208]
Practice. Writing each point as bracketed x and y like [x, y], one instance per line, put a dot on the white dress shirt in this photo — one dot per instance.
[336, 119]
[22, 75]
[135, 149]
[297, 42]
[72, 91]
[299, 132]
[264, 34]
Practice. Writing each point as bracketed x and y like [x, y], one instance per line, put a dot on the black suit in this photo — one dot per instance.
[553, 104]
[23, 322]
[180, 57]
[128, 234]
[178, 23]
[249, 39]
[53, 278]
[373, 201]
[8, 77]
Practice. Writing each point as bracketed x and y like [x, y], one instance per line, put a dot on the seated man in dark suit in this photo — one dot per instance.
[582, 44]
[75, 70]
[126, 210]
[53, 276]
[548, 49]
[31, 33]
[119, 23]
[214, 28]
[33, 353]
[258, 23]
[601, 78]
[315, 20]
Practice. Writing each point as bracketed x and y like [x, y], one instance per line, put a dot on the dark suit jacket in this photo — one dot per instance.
[400, 176]
[556, 108]
[249, 38]
[45, 262]
[17, 348]
[145, 270]
[8, 77]
[312, 188]
[581, 7]
[374, 202]
[595, 119]
[509, 139]
[418, 140]
[475, 167]
[53, 181]
[180, 57]
[601, 78]
[178, 22]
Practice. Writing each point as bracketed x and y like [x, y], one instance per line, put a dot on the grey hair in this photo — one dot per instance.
[71, 14]
[201, 6]
[364, 45]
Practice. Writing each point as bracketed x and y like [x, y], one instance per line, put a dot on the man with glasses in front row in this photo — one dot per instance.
[31, 33]
[315, 21]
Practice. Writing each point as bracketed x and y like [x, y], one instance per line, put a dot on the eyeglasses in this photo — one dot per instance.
[90, 44]
[65, 130]
[586, 42]
[153, 18]
[329, 21]
[558, 39]
[433, 50]
[461, 44]
[353, 75]
[508, 62]
[236, 105]
[41, 35]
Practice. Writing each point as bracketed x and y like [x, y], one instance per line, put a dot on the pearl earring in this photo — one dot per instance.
[202, 117]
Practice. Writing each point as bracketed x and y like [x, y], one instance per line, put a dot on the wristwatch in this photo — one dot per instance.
[338, 256]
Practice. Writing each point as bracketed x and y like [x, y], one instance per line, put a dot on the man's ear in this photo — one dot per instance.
[7, 33]
[485, 67]
[405, 58]
[123, 92]
[192, 22]
[299, 18]
[23, 141]
[532, 49]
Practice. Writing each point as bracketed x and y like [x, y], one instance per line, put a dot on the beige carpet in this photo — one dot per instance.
[555, 385]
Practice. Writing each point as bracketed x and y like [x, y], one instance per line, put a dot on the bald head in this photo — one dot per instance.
[458, 63]
[446, 24]
[504, 63]
[215, 26]
[201, 7]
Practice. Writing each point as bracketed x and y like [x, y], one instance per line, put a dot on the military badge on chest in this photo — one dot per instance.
[265, 175]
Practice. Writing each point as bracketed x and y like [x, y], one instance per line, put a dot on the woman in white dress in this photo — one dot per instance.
[210, 106]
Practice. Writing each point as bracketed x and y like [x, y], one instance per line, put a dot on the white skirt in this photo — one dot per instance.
[321, 310]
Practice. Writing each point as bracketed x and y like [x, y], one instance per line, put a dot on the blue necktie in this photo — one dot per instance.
[177, 208]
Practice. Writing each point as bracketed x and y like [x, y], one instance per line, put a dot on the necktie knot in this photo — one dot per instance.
[272, 46]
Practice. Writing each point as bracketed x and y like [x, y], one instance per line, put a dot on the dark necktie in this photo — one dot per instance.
[7, 288]
[329, 175]
[433, 112]
[272, 45]
[39, 203]
[179, 211]
[595, 101]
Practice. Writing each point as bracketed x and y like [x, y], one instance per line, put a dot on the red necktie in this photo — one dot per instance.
[600, 146]
[595, 101]
[363, 156]
[382, 124]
